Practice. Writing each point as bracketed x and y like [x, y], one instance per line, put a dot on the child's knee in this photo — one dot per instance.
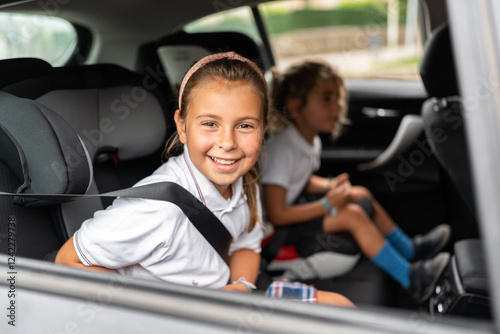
[356, 214]
[359, 192]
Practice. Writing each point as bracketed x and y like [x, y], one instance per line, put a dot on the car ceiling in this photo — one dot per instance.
[121, 26]
[147, 18]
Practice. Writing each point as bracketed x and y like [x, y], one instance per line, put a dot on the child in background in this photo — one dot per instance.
[221, 121]
[309, 99]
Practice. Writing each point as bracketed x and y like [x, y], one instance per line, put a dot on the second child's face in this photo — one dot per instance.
[321, 111]
[223, 130]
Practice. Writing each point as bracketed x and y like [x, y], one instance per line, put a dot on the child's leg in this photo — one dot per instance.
[380, 217]
[354, 220]
[420, 247]
[332, 298]
[418, 278]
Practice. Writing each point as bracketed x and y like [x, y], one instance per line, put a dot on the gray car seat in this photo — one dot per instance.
[40, 153]
[123, 118]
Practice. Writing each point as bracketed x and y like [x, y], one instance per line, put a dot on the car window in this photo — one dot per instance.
[362, 38]
[238, 20]
[40, 36]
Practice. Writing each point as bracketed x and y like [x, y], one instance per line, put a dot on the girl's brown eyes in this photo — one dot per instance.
[246, 126]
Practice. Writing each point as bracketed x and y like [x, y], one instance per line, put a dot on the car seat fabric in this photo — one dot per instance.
[40, 153]
[106, 104]
[123, 117]
[46, 149]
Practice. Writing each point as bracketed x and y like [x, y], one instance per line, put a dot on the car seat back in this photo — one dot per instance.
[122, 117]
[443, 114]
[40, 154]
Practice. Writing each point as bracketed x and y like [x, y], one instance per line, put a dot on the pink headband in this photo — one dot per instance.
[208, 59]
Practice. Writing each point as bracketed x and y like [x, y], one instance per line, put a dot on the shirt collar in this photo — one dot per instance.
[206, 191]
[299, 141]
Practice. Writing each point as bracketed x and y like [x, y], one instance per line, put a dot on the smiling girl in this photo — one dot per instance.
[221, 121]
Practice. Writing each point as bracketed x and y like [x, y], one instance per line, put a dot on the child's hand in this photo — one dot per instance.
[341, 178]
[340, 195]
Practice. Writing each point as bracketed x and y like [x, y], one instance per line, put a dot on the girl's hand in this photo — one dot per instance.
[340, 195]
[237, 287]
[340, 179]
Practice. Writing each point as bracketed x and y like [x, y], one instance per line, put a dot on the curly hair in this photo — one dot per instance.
[297, 82]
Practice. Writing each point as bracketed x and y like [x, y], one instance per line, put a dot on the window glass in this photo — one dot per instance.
[40, 36]
[361, 38]
[238, 20]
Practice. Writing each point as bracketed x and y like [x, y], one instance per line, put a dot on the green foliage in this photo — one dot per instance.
[348, 13]
[278, 23]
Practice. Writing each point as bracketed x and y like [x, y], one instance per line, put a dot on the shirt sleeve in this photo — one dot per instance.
[318, 148]
[278, 165]
[126, 233]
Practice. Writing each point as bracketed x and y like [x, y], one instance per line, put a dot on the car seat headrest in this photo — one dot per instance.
[17, 69]
[437, 67]
[107, 105]
[179, 51]
[42, 150]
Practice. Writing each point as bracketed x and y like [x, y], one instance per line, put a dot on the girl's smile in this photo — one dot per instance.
[225, 165]
[223, 130]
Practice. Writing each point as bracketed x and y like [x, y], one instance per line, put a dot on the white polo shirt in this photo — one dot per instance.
[154, 239]
[290, 161]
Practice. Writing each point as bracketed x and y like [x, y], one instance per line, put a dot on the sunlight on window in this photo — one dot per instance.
[39, 36]
[238, 20]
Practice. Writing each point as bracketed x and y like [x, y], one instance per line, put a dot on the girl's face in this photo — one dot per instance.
[223, 130]
[321, 111]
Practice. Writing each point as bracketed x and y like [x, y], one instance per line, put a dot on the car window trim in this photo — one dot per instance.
[259, 22]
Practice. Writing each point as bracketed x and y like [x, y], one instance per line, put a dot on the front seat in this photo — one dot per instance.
[444, 118]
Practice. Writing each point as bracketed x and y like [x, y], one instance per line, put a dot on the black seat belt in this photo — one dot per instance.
[200, 216]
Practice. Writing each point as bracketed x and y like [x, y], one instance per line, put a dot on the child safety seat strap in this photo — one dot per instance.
[200, 216]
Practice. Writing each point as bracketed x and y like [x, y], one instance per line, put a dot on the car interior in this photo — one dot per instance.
[99, 123]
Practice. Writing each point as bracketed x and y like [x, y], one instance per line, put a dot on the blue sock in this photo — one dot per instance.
[394, 264]
[401, 242]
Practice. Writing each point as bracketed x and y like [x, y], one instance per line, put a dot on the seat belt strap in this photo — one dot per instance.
[200, 216]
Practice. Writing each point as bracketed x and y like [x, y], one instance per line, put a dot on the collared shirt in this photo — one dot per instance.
[290, 161]
[155, 240]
